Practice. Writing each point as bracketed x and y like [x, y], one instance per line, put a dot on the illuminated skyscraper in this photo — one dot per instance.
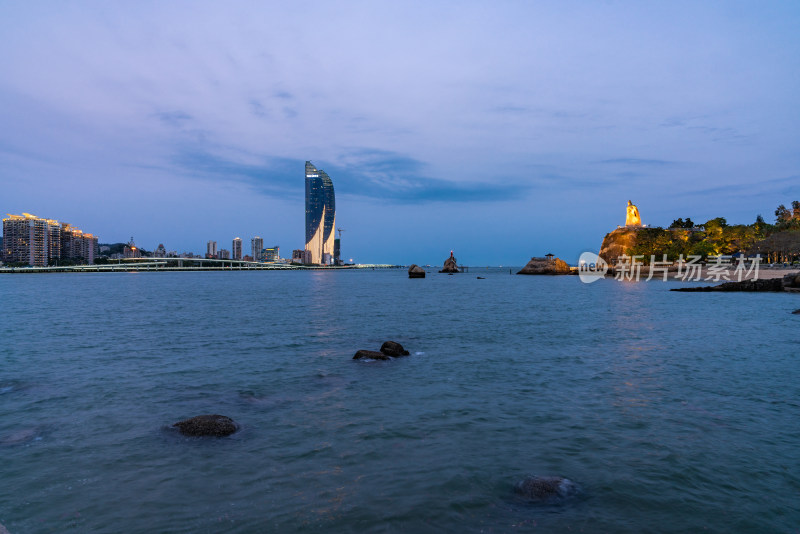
[320, 215]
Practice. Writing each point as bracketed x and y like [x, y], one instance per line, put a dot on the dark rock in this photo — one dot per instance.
[370, 355]
[548, 265]
[450, 265]
[548, 489]
[481, 278]
[391, 348]
[207, 425]
[796, 312]
[415, 271]
[771, 284]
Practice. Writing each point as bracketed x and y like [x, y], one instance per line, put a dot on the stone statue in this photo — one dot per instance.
[633, 218]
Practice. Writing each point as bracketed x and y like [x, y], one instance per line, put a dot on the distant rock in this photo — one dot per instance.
[415, 271]
[207, 425]
[546, 490]
[796, 312]
[391, 348]
[370, 355]
[765, 285]
[547, 265]
[450, 265]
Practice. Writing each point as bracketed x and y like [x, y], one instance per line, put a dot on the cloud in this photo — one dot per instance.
[638, 162]
[369, 173]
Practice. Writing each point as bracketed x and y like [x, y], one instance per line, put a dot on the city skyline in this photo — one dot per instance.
[500, 132]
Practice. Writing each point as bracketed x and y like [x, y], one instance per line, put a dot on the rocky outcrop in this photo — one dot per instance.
[618, 242]
[796, 312]
[789, 282]
[3, 530]
[415, 271]
[392, 348]
[207, 425]
[450, 265]
[371, 355]
[548, 489]
[548, 265]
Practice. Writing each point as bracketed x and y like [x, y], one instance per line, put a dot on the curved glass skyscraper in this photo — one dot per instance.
[320, 215]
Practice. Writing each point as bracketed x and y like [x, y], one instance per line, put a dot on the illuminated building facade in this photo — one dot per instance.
[40, 242]
[272, 253]
[320, 215]
[236, 248]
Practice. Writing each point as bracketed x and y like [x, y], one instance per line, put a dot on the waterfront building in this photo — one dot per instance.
[236, 248]
[211, 249]
[256, 248]
[160, 251]
[320, 215]
[39, 242]
[337, 251]
[224, 254]
[272, 253]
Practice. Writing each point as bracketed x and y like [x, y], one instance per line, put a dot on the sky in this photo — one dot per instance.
[499, 130]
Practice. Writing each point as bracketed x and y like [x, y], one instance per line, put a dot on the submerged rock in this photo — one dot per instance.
[415, 271]
[370, 355]
[391, 348]
[796, 312]
[19, 437]
[207, 425]
[548, 489]
[3, 530]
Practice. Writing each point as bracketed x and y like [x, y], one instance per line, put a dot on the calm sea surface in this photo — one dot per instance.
[673, 412]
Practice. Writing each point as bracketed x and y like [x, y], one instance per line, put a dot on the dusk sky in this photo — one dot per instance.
[500, 130]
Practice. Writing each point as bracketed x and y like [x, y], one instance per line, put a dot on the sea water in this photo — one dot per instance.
[671, 412]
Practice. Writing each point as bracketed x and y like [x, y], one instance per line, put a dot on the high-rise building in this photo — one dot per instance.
[211, 249]
[256, 248]
[236, 248]
[320, 215]
[39, 242]
[224, 254]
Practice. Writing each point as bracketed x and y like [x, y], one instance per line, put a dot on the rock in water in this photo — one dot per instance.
[450, 265]
[207, 425]
[548, 265]
[768, 284]
[370, 355]
[3, 530]
[796, 312]
[391, 348]
[415, 271]
[545, 489]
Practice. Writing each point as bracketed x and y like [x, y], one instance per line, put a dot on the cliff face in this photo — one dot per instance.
[617, 243]
[546, 266]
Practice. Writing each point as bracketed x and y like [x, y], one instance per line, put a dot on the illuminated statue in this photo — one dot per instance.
[633, 218]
